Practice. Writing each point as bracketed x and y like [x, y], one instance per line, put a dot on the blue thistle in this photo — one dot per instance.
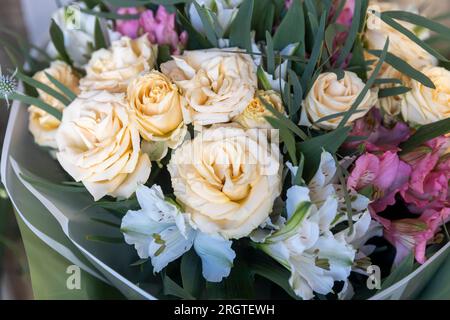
[8, 85]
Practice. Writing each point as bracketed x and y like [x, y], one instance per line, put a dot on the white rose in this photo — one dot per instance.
[42, 125]
[329, 96]
[377, 33]
[217, 85]
[78, 33]
[254, 116]
[423, 105]
[224, 10]
[156, 106]
[227, 179]
[112, 69]
[99, 146]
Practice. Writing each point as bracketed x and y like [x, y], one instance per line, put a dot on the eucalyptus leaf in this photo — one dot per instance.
[100, 41]
[425, 133]
[240, 29]
[294, 20]
[39, 85]
[391, 92]
[57, 37]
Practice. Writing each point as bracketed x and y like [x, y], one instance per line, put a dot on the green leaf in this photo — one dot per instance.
[352, 34]
[270, 54]
[334, 116]
[315, 54]
[367, 87]
[57, 37]
[191, 273]
[289, 142]
[65, 90]
[381, 81]
[104, 239]
[38, 103]
[208, 25]
[196, 39]
[419, 21]
[263, 18]
[171, 288]
[282, 120]
[262, 79]
[401, 271]
[397, 26]
[358, 62]
[425, 133]
[274, 272]
[405, 68]
[39, 85]
[392, 92]
[106, 222]
[297, 91]
[312, 149]
[240, 29]
[100, 41]
[294, 20]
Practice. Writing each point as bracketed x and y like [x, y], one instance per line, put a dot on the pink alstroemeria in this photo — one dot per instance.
[428, 186]
[129, 28]
[160, 28]
[414, 234]
[288, 3]
[386, 174]
[346, 16]
[378, 137]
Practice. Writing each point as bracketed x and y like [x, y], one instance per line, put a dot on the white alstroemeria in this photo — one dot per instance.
[223, 10]
[78, 33]
[159, 231]
[306, 244]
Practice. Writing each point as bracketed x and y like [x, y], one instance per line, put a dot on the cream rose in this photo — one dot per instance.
[227, 179]
[42, 125]
[329, 96]
[99, 146]
[217, 85]
[255, 113]
[156, 106]
[377, 33]
[112, 69]
[423, 105]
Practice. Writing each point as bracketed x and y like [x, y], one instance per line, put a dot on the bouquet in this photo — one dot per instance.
[239, 149]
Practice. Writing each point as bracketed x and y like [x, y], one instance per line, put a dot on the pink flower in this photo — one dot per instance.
[414, 234]
[386, 175]
[288, 3]
[346, 16]
[428, 186]
[161, 29]
[378, 137]
[129, 28]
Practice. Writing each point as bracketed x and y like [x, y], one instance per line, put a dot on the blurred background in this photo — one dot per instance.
[30, 20]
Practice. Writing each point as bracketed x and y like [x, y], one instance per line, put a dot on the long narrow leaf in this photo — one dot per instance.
[425, 133]
[367, 87]
[39, 85]
[64, 89]
[240, 29]
[352, 35]
[38, 103]
[405, 68]
[57, 38]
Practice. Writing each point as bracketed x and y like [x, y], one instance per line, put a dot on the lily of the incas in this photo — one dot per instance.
[160, 231]
[386, 175]
[428, 187]
[413, 235]
[305, 243]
